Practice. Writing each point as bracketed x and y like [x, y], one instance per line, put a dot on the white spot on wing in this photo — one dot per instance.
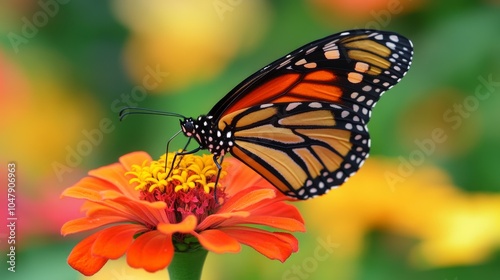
[300, 62]
[292, 106]
[311, 49]
[315, 105]
[390, 45]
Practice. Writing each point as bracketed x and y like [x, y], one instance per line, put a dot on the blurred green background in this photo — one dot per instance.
[426, 206]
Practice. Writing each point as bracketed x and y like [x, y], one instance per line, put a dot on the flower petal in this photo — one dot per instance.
[242, 177]
[185, 226]
[134, 158]
[215, 220]
[83, 260]
[217, 241]
[264, 242]
[113, 242]
[246, 198]
[114, 174]
[272, 221]
[152, 251]
[88, 188]
[280, 209]
[84, 224]
[288, 238]
[139, 210]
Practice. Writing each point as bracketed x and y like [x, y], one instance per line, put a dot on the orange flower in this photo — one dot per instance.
[149, 216]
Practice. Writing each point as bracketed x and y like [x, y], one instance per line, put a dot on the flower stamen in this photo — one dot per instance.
[188, 189]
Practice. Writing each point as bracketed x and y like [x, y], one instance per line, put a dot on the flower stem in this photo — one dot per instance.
[187, 265]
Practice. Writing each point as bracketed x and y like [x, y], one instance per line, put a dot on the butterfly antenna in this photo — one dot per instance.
[145, 111]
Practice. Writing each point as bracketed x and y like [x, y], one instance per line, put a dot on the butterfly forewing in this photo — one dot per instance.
[303, 148]
[353, 68]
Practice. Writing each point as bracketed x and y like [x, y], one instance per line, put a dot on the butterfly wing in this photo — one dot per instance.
[301, 121]
[352, 68]
[302, 148]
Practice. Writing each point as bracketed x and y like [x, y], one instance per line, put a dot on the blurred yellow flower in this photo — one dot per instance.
[451, 227]
[185, 41]
[467, 234]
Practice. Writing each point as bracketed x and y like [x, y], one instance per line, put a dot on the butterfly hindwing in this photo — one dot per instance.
[303, 148]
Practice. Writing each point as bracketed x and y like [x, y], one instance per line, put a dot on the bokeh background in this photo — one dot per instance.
[425, 206]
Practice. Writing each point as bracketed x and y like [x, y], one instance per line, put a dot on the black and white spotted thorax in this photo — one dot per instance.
[208, 135]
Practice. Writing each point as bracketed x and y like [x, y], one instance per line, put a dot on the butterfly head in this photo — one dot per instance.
[187, 126]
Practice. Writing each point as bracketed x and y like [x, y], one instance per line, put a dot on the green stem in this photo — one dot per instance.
[187, 265]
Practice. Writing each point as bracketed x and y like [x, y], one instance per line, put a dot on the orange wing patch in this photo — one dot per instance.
[314, 91]
[321, 75]
[266, 92]
[316, 85]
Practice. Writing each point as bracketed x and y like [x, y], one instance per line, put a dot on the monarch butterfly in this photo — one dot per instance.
[300, 122]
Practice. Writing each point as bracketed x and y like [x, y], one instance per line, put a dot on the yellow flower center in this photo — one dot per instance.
[187, 186]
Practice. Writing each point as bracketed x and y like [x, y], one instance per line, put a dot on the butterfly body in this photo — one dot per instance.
[208, 135]
[301, 121]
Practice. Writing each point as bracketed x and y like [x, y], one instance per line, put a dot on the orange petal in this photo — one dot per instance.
[272, 221]
[134, 158]
[113, 242]
[84, 224]
[140, 210]
[82, 259]
[152, 251]
[115, 174]
[185, 226]
[217, 241]
[88, 188]
[240, 176]
[246, 198]
[264, 242]
[288, 238]
[213, 221]
[280, 209]
[81, 193]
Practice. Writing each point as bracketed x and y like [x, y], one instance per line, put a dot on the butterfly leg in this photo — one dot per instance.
[184, 152]
[219, 167]
[166, 150]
